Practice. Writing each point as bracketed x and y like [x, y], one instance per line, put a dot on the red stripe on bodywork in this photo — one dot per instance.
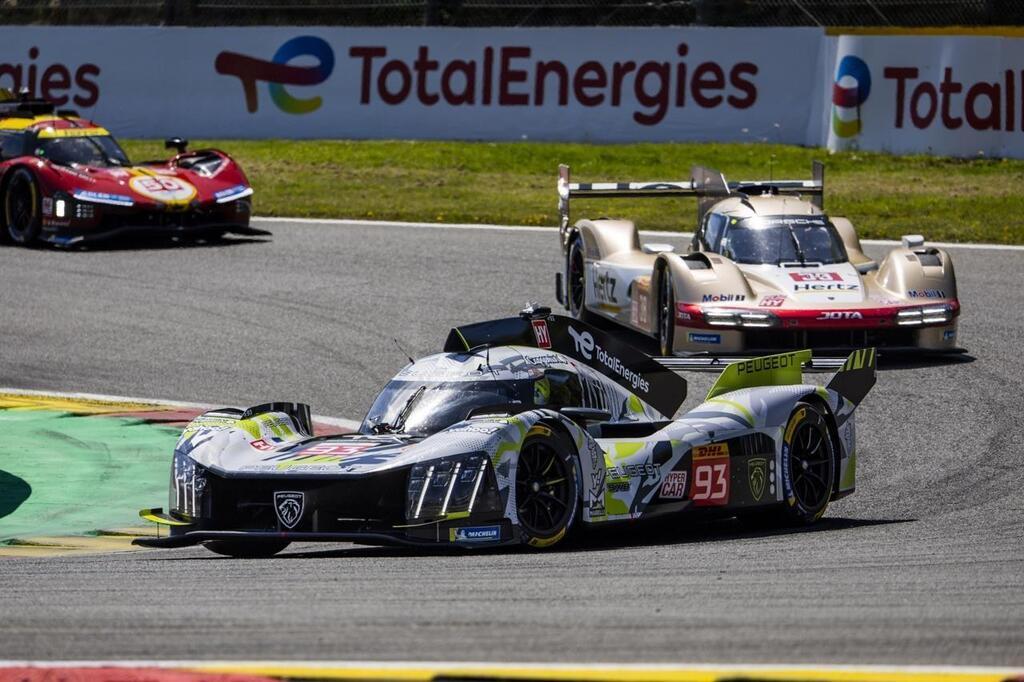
[807, 318]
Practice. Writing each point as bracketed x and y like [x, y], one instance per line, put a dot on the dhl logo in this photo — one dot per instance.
[711, 451]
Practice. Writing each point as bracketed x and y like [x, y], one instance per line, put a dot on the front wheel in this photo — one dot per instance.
[576, 279]
[22, 212]
[246, 549]
[666, 313]
[808, 465]
[547, 487]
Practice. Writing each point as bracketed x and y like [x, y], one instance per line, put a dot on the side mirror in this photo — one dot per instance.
[866, 267]
[582, 415]
[912, 240]
[657, 248]
[179, 143]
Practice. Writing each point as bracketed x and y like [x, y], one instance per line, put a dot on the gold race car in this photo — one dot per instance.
[766, 270]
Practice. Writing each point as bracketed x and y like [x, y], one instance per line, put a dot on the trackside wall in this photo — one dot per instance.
[939, 94]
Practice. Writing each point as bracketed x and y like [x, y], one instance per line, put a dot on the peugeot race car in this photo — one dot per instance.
[65, 180]
[767, 269]
[519, 430]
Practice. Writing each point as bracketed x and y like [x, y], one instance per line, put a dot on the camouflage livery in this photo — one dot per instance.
[260, 474]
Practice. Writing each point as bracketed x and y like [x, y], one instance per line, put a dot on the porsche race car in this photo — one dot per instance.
[520, 430]
[766, 270]
[65, 180]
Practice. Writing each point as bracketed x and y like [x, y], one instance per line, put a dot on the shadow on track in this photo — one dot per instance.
[651, 533]
[14, 490]
[156, 242]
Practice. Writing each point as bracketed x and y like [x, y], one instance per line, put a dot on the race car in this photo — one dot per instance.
[65, 180]
[766, 270]
[521, 429]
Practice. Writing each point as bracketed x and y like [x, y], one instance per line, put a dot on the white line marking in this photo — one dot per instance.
[476, 665]
[344, 222]
[340, 422]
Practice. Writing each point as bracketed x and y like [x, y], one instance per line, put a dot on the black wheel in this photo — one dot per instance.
[666, 313]
[547, 487]
[246, 549]
[576, 279]
[22, 212]
[808, 465]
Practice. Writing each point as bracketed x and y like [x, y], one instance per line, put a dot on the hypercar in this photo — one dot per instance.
[521, 429]
[65, 180]
[766, 270]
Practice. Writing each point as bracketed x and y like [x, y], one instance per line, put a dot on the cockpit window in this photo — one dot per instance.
[422, 408]
[782, 239]
[86, 150]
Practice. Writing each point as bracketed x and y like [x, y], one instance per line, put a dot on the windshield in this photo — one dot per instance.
[782, 239]
[422, 408]
[88, 150]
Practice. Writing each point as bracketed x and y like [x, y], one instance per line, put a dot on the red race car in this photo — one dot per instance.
[65, 180]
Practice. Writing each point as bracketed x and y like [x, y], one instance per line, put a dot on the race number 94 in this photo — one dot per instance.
[711, 483]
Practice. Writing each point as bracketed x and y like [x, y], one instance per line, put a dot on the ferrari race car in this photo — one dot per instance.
[65, 180]
[767, 269]
[520, 429]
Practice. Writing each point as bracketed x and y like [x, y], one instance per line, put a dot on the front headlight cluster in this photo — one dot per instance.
[929, 314]
[726, 317]
[451, 488]
[188, 484]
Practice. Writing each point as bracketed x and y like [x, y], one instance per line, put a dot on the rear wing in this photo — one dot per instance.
[853, 381]
[706, 184]
[638, 373]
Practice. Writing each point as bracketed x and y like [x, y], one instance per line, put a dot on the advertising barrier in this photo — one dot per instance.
[949, 95]
[581, 84]
[952, 95]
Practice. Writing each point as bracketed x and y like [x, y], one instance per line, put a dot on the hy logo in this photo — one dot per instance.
[289, 507]
[850, 90]
[278, 73]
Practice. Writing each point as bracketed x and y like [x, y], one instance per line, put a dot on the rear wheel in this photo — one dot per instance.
[666, 313]
[808, 465]
[246, 549]
[547, 487]
[576, 279]
[22, 212]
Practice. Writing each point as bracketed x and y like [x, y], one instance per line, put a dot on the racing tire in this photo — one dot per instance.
[546, 488]
[808, 465]
[246, 549]
[666, 313]
[22, 211]
[576, 280]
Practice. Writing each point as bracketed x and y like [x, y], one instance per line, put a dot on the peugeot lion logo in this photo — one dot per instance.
[289, 507]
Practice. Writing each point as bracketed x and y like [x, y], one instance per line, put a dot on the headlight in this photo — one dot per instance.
[451, 488]
[188, 485]
[727, 317]
[929, 314]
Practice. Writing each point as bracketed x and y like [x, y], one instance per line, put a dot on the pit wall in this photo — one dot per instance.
[957, 95]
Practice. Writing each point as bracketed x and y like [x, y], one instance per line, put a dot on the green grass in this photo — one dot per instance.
[514, 183]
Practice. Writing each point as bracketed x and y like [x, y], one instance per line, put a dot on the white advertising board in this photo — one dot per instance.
[579, 84]
[947, 95]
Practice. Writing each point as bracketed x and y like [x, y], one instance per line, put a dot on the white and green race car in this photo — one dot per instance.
[520, 430]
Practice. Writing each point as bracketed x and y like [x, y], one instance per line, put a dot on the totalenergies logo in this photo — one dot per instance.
[277, 73]
[850, 90]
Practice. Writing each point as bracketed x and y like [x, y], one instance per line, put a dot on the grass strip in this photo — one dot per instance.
[513, 183]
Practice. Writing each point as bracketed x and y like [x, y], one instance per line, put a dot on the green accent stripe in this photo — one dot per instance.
[736, 406]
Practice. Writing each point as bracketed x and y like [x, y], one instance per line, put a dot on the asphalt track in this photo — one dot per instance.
[924, 565]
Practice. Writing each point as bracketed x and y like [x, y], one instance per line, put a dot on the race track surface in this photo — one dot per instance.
[924, 564]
